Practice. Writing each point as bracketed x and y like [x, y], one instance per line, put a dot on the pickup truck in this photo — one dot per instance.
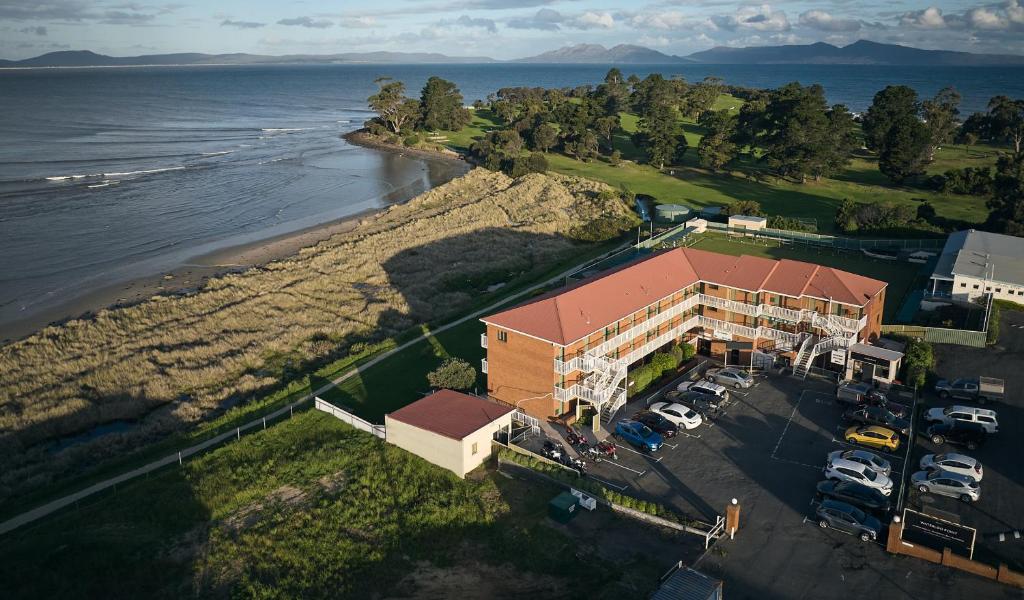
[981, 390]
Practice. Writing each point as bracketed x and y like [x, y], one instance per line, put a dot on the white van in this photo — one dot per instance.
[967, 414]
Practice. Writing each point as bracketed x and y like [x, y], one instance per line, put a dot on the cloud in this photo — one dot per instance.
[823, 21]
[120, 17]
[663, 20]
[241, 24]
[364, 22]
[306, 22]
[547, 19]
[467, 21]
[929, 18]
[40, 30]
[757, 18]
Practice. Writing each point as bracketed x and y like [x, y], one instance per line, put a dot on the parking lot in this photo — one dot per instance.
[767, 449]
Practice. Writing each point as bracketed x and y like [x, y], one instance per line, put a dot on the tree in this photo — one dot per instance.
[801, 136]
[968, 139]
[895, 102]
[1007, 203]
[904, 149]
[454, 373]
[391, 105]
[715, 150]
[840, 143]
[659, 133]
[605, 128]
[701, 97]
[1007, 120]
[613, 94]
[441, 106]
[545, 136]
[750, 208]
[940, 116]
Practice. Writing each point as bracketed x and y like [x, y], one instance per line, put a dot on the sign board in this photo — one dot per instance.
[935, 533]
[839, 357]
[722, 335]
[864, 358]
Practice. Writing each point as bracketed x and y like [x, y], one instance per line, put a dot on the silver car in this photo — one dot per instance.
[944, 483]
[864, 457]
[953, 463]
[737, 378]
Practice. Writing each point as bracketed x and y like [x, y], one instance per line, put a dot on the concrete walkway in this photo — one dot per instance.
[56, 505]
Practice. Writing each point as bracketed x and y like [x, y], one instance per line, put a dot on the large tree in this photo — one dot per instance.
[701, 97]
[716, 147]
[802, 136]
[1007, 120]
[659, 133]
[904, 149]
[544, 137]
[441, 106]
[613, 94]
[894, 103]
[1007, 203]
[391, 105]
[940, 115]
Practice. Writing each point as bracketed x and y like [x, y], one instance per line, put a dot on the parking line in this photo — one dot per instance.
[674, 446]
[615, 464]
[641, 454]
[860, 447]
[790, 420]
[793, 462]
[608, 483]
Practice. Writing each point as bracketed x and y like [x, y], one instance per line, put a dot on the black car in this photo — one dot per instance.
[879, 400]
[876, 415]
[854, 493]
[702, 403]
[848, 519]
[657, 423]
[971, 435]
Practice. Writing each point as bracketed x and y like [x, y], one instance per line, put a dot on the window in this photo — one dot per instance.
[502, 336]
[998, 290]
[976, 286]
[474, 449]
[712, 286]
[988, 288]
[963, 285]
[1020, 293]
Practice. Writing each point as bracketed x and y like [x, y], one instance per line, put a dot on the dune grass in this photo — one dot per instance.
[314, 509]
[172, 362]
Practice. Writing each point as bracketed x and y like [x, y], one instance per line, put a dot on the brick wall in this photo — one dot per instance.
[521, 371]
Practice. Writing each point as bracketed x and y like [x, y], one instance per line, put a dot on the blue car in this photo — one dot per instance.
[639, 435]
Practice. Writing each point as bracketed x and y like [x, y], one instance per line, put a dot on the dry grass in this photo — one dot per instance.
[171, 361]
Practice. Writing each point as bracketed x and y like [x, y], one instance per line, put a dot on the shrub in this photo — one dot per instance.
[662, 362]
[411, 140]
[454, 373]
[994, 317]
[790, 224]
[917, 362]
[615, 159]
[750, 208]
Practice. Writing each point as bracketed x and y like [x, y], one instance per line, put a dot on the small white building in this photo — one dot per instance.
[698, 225]
[747, 223]
[448, 428]
[976, 263]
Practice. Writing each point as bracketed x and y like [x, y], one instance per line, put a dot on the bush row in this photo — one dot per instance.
[660, 363]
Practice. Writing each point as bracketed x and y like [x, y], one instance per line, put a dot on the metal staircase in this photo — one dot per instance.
[837, 338]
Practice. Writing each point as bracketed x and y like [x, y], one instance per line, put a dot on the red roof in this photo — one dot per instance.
[450, 413]
[567, 315]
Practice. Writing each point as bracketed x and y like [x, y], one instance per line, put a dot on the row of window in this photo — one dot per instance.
[999, 290]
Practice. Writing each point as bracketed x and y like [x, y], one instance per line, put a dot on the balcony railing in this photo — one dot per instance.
[483, 340]
[483, 365]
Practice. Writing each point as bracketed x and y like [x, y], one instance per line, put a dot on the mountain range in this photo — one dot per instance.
[862, 52]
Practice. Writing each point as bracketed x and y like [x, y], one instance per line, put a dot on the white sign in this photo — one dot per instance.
[722, 335]
[839, 357]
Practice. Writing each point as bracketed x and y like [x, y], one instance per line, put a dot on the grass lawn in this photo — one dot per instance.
[313, 509]
[899, 275]
[690, 185]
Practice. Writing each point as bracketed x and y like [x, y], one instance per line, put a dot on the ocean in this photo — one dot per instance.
[108, 175]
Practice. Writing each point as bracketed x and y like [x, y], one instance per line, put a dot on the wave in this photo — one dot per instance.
[57, 178]
[217, 153]
[285, 129]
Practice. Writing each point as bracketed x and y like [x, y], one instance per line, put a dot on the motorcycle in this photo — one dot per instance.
[607, 449]
[590, 452]
[575, 463]
[575, 438]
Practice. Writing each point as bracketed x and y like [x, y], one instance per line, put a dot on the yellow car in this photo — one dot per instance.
[873, 436]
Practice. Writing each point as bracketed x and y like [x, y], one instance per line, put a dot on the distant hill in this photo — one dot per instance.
[861, 52]
[86, 58]
[596, 53]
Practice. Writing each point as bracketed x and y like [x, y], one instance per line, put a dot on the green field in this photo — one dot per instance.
[693, 186]
[899, 275]
[311, 508]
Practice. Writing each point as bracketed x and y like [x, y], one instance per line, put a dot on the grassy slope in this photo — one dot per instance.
[692, 186]
[899, 275]
[310, 508]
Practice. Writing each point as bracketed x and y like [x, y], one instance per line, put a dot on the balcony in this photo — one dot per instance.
[641, 328]
[483, 365]
[483, 340]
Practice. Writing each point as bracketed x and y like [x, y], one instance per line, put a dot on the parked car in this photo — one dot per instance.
[704, 387]
[876, 415]
[658, 423]
[854, 493]
[982, 389]
[705, 404]
[681, 415]
[639, 435]
[864, 457]
[944, 483]
[737, 378]
[968, 414]
[950, 462]
[902, 411]
[848, 519]
[960, 433]
[874, 436]
[856, 393]
[847, 470]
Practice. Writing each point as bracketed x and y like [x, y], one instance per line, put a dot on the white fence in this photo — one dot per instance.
[351, 419]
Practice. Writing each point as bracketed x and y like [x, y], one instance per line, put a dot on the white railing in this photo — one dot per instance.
[734, 328]
[641, 328]
[779, 312]
[351, 419]
[483, 365]
[483, 340]
[564, 367]
[731, 305]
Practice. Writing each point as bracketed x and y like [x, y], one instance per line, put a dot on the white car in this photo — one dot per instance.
[950, 462]
[946, 484]
[847, 470]
[704, 387]
[682, 416]
[869, 459]
[968, 414]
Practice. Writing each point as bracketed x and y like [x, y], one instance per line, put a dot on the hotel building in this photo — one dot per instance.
[571, 348]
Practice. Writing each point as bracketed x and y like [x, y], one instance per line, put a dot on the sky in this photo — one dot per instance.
[499, 29]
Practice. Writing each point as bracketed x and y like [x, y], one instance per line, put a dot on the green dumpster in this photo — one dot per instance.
[563, 507]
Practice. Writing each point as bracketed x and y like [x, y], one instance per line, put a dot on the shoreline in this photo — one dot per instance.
[360, 137]
[192, 276]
